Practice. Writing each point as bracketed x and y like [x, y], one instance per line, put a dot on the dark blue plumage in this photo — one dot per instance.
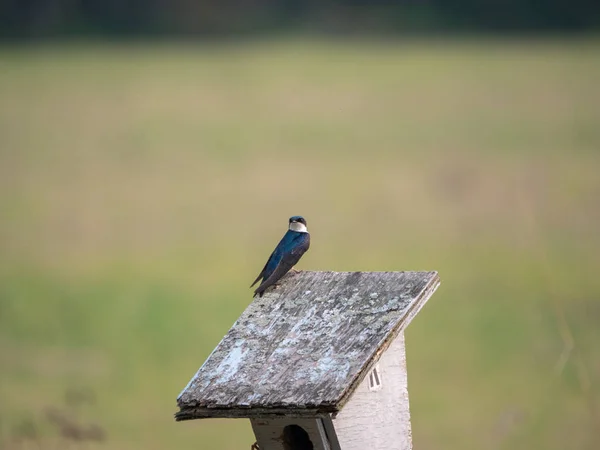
[293, 245]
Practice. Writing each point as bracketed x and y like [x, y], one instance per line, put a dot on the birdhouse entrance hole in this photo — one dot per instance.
[296, 438]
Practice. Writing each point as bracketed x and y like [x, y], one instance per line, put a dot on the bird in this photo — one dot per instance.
[293, 245]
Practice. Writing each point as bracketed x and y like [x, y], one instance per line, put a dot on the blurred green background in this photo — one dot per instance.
[143, 184]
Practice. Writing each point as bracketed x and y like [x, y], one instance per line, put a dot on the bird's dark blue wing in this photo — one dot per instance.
[275, 257]
[292, 247]
[262, 272]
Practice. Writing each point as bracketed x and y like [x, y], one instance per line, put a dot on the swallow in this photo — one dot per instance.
[293, 245]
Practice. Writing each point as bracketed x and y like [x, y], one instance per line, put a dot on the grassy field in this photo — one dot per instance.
[143, 186]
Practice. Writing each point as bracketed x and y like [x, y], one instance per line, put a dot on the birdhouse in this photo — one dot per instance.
[317, 363]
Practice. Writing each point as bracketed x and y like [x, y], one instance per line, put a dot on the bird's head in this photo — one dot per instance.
[298, 223]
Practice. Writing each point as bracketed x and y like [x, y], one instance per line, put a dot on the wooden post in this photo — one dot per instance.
[317, 363]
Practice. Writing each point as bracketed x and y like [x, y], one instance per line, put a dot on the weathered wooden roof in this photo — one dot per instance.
[305, 346]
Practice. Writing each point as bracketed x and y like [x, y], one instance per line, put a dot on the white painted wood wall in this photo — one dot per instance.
[379, 419]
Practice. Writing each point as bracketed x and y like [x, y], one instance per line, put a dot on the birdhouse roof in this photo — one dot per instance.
[303, 347]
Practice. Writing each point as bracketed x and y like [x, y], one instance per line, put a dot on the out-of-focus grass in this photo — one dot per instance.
[142, 187]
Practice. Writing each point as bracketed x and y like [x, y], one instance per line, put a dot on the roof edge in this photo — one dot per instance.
[251, 413]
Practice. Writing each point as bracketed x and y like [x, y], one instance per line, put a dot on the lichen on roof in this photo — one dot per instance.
[304, 346]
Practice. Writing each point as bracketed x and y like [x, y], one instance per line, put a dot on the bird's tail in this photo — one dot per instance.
[258, 278]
